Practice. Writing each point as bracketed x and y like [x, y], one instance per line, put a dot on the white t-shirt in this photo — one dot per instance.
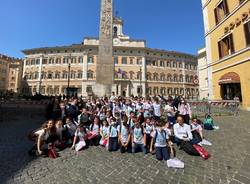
[124, 134]
[71, 128]
[80, 134]
[196, 127]
[157, 109]
[42, 133]
[94, 128]
[170, 110]
[104, 131]
[138, 135]
[148, 129]
[113, 131]
[182, 131]
[161, 139]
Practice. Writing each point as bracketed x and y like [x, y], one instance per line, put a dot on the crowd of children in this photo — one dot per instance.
[132, 125]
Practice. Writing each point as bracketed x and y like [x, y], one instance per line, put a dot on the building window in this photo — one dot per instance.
[124, 60]
[226, 46]
[116, 60]
[247, 32]
[138, 75]
[37, 61]
[73, 75]
[90, 74]
[221, 11]
[50, 75]
[131, 75]
[162, 77]
[80, 60]
[180, 65]
[58, 60]
[65, 75]
[149, 76]
[79, 75]
[169, 77]
[154, 63]
[155, 77]
[65, 60]
[131, 61]
[73, 60]
[57, 75]
[162, 63]
[44, 61]
[90, 59]
[168, 64]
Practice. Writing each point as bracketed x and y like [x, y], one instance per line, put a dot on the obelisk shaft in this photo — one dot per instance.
[105, 64]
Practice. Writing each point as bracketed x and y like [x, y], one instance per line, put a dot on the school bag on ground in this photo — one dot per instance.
[52, 152]
[203, 153]
[175, 163]
[188, 148]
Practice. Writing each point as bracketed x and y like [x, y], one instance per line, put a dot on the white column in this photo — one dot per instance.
[24, 67]
[128, 90]
[16, 79]
[144, 76]
[84, 75]
[184, 78]
[38, 90]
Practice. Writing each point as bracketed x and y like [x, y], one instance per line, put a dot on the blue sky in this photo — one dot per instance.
[164, 24]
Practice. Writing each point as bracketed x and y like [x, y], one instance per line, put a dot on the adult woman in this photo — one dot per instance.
[185, 110]
[46, 136]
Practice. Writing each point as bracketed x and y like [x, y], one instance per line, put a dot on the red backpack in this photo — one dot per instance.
[203, 153]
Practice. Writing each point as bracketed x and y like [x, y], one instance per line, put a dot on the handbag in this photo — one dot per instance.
[188, 148]
[103, 142]
[52, 153]
[203, 153]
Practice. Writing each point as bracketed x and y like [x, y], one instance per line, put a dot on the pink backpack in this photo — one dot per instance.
[203, 153]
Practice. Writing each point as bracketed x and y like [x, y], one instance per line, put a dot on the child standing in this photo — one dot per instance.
[148, 128]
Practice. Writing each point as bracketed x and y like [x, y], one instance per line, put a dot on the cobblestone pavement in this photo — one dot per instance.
[230, 162]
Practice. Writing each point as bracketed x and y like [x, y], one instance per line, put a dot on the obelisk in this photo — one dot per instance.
[105, 63]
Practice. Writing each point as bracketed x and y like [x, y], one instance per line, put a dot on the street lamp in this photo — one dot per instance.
[140, 81]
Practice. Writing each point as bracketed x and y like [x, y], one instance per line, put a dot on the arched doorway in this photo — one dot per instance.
[230, 86]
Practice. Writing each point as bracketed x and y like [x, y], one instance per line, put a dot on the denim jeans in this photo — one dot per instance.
[162, 153]
[139, 148]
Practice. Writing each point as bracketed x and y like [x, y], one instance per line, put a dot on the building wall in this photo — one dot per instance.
[130, 61]
[203, 73]
[238, 61]
[10, 73]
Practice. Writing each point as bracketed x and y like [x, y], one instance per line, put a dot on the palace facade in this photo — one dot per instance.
[227, 35]
[138, 69]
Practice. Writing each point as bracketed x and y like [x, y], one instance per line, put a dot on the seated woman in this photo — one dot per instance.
[80, 136]
[46, 136]
[196, 130]
[182, 131]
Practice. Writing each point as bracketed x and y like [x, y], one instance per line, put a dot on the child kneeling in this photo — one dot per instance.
[160, 139]
[80, 136]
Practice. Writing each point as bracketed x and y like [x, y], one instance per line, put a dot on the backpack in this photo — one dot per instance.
[188, 148]
[203, 153]
[156, 135]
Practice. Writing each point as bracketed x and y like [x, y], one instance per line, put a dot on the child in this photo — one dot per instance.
[113, 135]
[138, 144]
[104, 133]
[69, 130]
[196, 130]
[94, 134]
[160, 139]
[124, 136]
[148, 128]
[80, 136]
